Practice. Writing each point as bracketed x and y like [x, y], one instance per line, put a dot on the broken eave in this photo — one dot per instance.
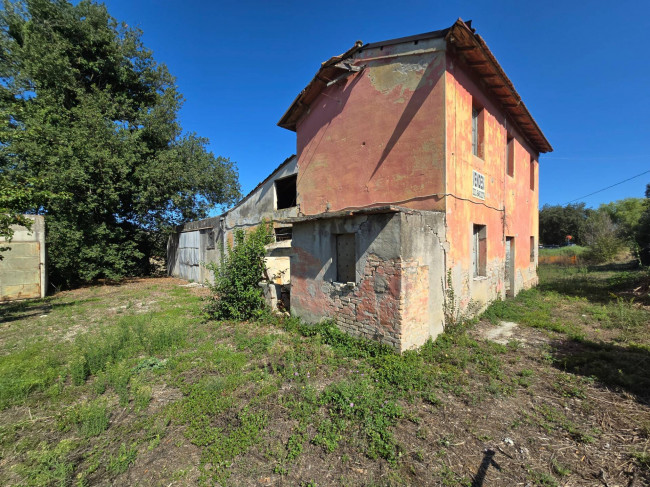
[370, 210]
[330, 72]
[476, 55]
[467, 45]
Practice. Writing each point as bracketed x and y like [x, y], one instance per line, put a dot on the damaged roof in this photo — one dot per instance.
[368, 210]
[463, 41]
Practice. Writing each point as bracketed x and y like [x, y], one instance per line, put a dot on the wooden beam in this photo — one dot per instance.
[349, 67]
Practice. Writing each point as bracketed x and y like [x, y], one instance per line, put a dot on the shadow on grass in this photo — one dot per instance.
[599, 284]
[488, 461]
[21, 310]
[615, 366]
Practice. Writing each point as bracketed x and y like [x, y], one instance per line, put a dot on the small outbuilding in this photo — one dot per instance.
[197, 243]
[22, 268]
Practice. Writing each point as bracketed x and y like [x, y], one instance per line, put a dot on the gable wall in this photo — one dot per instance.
[377, 136]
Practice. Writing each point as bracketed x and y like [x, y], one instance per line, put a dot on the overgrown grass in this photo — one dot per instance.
[576, 250]
[169, 378]
[580, 303]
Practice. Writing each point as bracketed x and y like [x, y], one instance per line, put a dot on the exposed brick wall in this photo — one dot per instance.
[372, 308]
[397, 297]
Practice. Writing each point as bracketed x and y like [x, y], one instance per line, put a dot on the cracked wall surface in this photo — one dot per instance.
[396, 297]
[510, 207]
[383, 129]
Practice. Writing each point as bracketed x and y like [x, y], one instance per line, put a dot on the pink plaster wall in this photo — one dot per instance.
[379, 137]
[511, 194]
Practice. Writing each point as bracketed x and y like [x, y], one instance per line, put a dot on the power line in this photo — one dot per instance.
[611, 186]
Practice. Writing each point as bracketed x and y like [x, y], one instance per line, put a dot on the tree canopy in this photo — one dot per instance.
[643, 228]
[605, 230]
[15, 198]
[556, 222]
[626, 214]
[85, 108]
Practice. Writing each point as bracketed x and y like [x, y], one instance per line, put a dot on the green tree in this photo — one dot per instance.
[626, 214]
[86, 109]
[601, 234]
[556, 222]
[642, 234]
[16, 199]
[236, 291]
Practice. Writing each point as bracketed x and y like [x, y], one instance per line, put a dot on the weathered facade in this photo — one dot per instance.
[196, 243]
[22, 269]
[430, 129]
[386, 285]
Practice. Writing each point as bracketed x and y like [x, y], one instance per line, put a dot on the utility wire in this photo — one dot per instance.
[611, 186]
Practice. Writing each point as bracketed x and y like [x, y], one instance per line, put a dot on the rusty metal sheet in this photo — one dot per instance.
[188, 255]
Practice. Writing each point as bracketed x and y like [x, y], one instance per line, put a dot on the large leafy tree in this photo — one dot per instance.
[86, 109]
[556, 222]
[642, 235]
[626, 214]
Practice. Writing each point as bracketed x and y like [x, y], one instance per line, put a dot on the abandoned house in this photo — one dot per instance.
[417, 180]
[196, 243]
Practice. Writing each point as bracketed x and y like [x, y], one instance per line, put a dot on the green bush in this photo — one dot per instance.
[91, 418]
[236, 291]
[604, 249]
[601, 234]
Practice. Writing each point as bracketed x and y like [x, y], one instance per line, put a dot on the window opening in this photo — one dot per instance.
[478, 115]
[532, 173]
[510, 161]
[285, 192]
[346, 258]
[532, 249]
[283, 233]
[479, 250]
[211, 239]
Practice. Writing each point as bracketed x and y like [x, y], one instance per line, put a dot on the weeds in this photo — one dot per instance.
[541, 478]
[231, 384]
[560, 469]
[121, 462]
[29, 370]
[360, 401]
[50, 466]
[642, 458]
[91, 418]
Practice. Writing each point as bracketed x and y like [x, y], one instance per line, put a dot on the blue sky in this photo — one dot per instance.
[582, 68]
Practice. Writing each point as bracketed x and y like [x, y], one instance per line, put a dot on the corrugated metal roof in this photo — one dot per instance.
[213, 221]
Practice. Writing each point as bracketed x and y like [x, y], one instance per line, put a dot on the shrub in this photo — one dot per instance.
[601, 235]
[236, 291]
[92, 418]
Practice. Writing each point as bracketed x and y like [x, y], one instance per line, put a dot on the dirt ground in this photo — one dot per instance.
[513, 403]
